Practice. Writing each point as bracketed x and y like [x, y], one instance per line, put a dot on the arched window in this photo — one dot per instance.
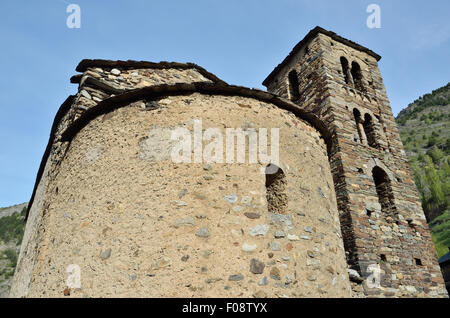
[294, 92]
[346, 71]
[384, 192]
[357, 76]
[359, 126]
[369, 129]
[276, 189]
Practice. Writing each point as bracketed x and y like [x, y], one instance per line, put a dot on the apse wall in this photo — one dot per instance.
[138, 224]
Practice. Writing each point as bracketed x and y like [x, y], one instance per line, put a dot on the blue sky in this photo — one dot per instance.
[240, 41]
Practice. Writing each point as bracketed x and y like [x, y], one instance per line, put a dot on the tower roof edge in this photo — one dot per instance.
[311, 34]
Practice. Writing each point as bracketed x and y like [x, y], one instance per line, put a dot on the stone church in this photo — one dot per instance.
[113, 215]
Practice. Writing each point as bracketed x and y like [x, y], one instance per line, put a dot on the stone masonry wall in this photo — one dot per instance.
[99, 83]
[141, 225]
[402, 245]
[96, 83]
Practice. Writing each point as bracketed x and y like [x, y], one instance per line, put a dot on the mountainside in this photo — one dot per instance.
[11, 231]
[425, 131]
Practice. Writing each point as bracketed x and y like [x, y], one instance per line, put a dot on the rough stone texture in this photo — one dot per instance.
[256, 266]
[135, 217]
[97, 84]
[381, 223]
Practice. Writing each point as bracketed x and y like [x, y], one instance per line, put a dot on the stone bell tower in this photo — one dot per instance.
[381, 217]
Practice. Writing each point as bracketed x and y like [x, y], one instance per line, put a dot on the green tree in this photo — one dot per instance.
[432, 140]
[436, 154]
[436, 194]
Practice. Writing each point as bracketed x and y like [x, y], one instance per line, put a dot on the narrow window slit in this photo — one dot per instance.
[276, 190]
[294, 92]
[357, 77]
[369, 130]
[385, 193]
[346, 71]
[359, 126]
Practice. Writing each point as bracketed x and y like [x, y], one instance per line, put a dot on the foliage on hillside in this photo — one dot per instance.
[12, 227]
[7, 271]
[425, 131]
[439, 97]
[11, 232]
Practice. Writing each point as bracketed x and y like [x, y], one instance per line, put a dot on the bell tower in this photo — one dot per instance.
[382, 221]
